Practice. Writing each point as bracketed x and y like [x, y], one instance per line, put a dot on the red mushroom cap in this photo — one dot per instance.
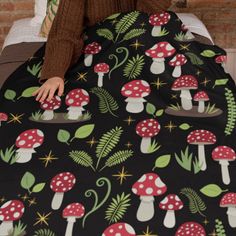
[171, 202]
[148, 128]
[3, 116]
[201, 96]
[190, 229]
[136, 89]
[178, 60]
[185, 82]
[76, 210]
[223, 153]
[221, 59]
[101, 67]
[228, 200]
[92, 48]
[160, 50]
[159, 19]
[11, 210]
[119, 229]
[201, 136]
[63, 182]
[53, 104]
[77, 98]
[149, 184]
[31, 138]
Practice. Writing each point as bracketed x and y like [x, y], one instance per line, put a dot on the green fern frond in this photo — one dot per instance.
[126, 22]
[44, 232]
[118, 158]
[107, 104]
[117, 208]
[196, 205]
[106, 33]
[134, 67]
[219, 227]
[82, 158]
[134, 33]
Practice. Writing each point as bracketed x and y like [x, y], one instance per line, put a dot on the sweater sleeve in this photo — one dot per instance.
[64, 38]
[152, 6]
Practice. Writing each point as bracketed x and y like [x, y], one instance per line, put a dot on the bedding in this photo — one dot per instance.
[141, 143]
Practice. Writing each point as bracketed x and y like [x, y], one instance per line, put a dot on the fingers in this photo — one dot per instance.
[40, 92]
[44, 95]
[61, 89]
[51, 93]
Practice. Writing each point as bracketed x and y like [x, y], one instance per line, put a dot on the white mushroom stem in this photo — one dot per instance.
[145, 144]
[6, 228]
[74, 113]
[100, 79]
[48, 115]
[24, 155]
[201, 157]
[201, 106]
[169, 221]
[158, 66]
[232, 216]
[156, 31]
[186, 99]
[88, 60]
[225, 171]
[135, 105]
[57, 201]
[177, 71]
[70, 225]
[146, 208]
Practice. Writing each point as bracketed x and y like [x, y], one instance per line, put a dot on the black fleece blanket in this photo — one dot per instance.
[141, 143]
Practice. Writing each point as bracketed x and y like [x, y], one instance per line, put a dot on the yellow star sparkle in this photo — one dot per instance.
[2, 199]
[136, 44]
[213, 233]
[198, 72]
[174, 96]
[92, 142]
[205, 82]
[147, 233]
[128, 145]
[42, 218]
[185, 47]
[32, 202]
[48, 158]
[170, 126]
[158, 84]
[143, 24]
[15, 118]
[82, 76]
[205, 222]
[122, 175]
[129, 120]
[25, 197]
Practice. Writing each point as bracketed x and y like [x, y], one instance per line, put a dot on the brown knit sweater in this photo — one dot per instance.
[65, 43]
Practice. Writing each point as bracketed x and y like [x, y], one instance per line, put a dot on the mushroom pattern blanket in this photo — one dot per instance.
[141, 143]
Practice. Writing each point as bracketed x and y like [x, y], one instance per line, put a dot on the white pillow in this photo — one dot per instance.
[40, 10]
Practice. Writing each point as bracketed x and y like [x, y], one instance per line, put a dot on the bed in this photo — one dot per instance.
[142, 142]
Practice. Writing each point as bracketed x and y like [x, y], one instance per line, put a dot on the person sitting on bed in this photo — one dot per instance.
[65, 41]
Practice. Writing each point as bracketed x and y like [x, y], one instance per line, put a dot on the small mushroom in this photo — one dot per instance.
[229, 200]
[184, 84]
[76, 99]
[3, 117]
[201, 97]
[90, 50]
[61, 184]
[178, 61]
[101, 69]
[135, 91]
[158, 53]
[201, 138]
[119, 229]
[71, 213]
[224, 154]
[158, 20]
[148, 186]
[147, 129]
[222, 59]
[49, 107]
[10, 211]
[170, 203]
[190, 229]
[26, 142]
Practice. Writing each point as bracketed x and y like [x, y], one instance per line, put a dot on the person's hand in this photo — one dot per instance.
[48, 89]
